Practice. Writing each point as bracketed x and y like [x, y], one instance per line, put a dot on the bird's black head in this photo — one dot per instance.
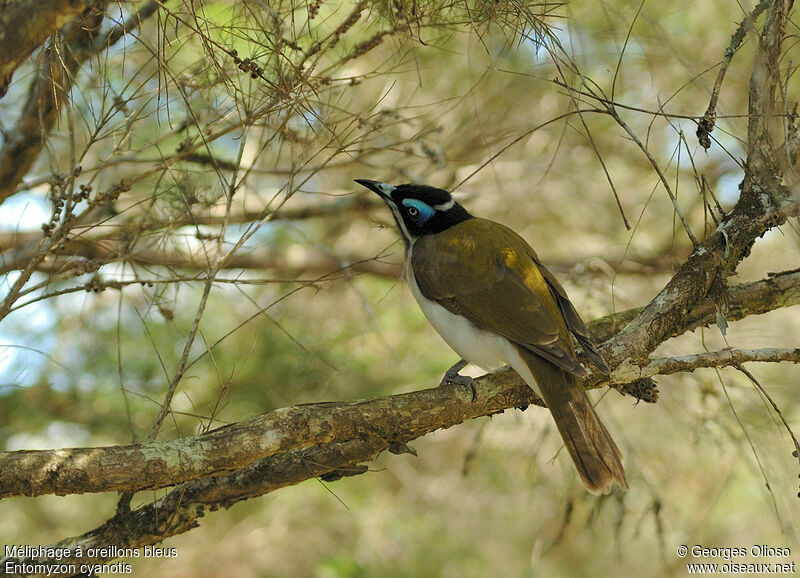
[419, 209]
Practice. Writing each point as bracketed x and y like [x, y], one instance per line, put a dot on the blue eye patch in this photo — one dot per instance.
[418, 211]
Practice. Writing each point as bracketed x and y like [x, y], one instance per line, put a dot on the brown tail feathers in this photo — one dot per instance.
[594, 452]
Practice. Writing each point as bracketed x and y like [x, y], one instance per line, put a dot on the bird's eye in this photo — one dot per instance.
[418, 211]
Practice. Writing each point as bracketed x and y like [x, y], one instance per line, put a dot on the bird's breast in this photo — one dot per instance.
[478, 346]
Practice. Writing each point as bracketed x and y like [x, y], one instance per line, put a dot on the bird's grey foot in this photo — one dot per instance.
[451, 376]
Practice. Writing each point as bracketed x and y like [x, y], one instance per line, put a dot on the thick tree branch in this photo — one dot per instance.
[55, 71]
[337, 439]
[762, 205]
[160, 464]
[395, 419]
[180, 510]
[776, 291]
[56, 68]
[26, 24]
[705, 269]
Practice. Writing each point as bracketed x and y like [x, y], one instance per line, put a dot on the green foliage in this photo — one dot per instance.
[225, 117]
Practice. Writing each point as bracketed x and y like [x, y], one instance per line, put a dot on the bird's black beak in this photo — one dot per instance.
[384, 190]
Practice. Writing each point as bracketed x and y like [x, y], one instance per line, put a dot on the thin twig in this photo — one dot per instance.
[628, 371]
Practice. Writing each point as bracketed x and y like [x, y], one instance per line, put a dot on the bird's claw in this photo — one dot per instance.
[452, 377]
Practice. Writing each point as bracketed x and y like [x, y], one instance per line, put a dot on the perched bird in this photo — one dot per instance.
[484, 290]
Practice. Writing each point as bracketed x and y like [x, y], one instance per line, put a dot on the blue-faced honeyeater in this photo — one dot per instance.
[483, 288]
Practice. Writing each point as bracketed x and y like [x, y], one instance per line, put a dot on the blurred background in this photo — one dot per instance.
[233, 172]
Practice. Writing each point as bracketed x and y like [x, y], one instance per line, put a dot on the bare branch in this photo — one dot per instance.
[110, 242]
[635, 138]
[706, 123]
[628, 372]
[395, 419]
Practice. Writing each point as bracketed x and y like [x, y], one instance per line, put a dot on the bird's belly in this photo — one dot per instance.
[482, 348]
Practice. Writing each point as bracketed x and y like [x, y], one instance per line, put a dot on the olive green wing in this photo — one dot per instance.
[574, 322]
[487, 273]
